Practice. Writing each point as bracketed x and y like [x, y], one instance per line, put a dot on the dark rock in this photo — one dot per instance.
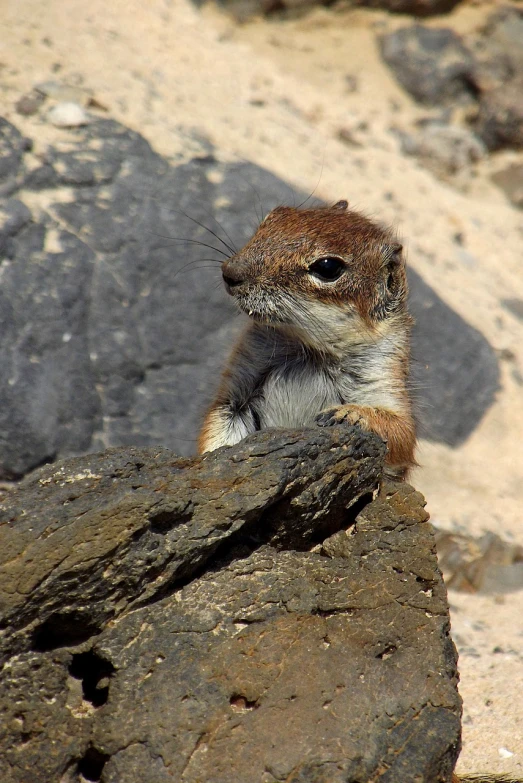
[500, 118]
[150, 518]
[12, 147]
[14, 215]
[444, 149]
[245, 9]
[498, 48]
[437, 67]
[498, 51]
[113, 322]
[510, 180]
[505, 27]
[44, 719]
[455, 372]
[212, 620]
[29, 104]
[414, 7]
[49, 397]
[432, 64]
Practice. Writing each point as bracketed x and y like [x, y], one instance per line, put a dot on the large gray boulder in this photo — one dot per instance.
[113, 321]
[250, 615]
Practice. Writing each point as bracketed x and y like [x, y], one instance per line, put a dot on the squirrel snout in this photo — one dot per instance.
[234, 273]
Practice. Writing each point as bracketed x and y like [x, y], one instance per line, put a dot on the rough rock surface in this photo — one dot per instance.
[113, 330]
[445, 149]
[431, 63]
[500, 118]
[213, 620]
[437, 67]
[140, 515]
[243, 9]
[498, 48]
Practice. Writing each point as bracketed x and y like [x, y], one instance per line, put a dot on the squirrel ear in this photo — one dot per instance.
[341, 205]
[392, 253]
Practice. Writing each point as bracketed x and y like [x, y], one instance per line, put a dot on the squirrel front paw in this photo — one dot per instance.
[347, 414]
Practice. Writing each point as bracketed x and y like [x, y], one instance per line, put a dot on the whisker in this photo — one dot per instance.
[197, 222]
[190, 241]
[260, 220]
[317, 184]
[233, 248]
[203, 266]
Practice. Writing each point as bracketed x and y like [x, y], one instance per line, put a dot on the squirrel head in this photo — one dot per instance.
[320, 272]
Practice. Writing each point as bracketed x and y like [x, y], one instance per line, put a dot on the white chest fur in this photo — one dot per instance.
[293, 396]
[275, 382]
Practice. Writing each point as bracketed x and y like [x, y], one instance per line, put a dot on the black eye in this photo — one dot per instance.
[329, 268]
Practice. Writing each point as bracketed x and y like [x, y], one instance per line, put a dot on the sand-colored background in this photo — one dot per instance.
[276, 93]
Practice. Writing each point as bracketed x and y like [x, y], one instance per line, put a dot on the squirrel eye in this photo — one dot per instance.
[328, 268]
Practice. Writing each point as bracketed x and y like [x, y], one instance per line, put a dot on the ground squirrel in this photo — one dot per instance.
[329, 336]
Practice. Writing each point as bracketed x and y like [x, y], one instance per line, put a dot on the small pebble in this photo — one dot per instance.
[29, 104]
[346, 135]
[504, 753]
[351, 82]
[67, 115]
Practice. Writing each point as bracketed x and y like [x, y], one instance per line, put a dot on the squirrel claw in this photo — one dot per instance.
[328, 417]
[341, 415]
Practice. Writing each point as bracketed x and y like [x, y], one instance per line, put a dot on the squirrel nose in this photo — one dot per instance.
[233, 273]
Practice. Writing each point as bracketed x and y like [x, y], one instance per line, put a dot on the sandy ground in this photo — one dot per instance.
[277, 94]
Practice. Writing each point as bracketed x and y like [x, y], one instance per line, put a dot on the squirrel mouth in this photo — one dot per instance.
[258, 307]
[255, 315]
[268, 319]
[260, 314]
[247, 306]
